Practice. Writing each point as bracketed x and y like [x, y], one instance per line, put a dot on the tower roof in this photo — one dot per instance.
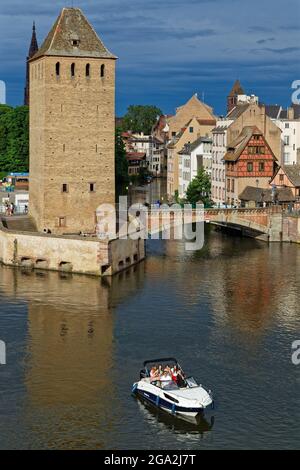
[34, 44]
[236, 89]
[73, 36]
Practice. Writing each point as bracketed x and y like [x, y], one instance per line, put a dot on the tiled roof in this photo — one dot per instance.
[261, 195]
[237, 146]
[236, 89]
[72, 25]
[238, 111]
[293, 173]
[135, 156]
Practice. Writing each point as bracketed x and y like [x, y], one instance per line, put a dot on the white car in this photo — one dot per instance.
[187, 398]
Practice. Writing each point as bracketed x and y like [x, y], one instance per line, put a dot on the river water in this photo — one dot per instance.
[75, 345]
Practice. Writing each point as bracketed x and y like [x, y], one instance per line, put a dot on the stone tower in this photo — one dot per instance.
[72, 127]
[233, 95]
[32, 51]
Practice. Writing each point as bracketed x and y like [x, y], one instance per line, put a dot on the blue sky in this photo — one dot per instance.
[170, 50]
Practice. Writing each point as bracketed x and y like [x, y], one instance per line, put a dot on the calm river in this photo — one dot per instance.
[75, 344]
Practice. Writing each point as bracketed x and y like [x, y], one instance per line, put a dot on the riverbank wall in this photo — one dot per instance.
[33, 250]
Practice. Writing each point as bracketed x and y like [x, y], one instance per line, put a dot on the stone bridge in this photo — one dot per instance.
[262, 223]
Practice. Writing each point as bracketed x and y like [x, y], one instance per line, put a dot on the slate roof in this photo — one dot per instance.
[261, 195]
[72, 25]
[273, 110]
[189, 148]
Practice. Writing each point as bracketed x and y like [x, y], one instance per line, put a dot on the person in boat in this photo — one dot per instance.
[178, 376]
[154, 373]
[166, 376]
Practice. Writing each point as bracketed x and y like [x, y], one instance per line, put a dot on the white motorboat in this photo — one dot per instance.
[185, 397]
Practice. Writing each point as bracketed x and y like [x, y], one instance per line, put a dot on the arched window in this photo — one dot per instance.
[57, 69]
[87, 70]
[73, 70]
[102, 70]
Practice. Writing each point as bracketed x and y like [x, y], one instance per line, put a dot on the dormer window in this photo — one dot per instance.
[75, 42]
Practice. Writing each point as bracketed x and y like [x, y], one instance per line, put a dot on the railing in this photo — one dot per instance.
[18, 210]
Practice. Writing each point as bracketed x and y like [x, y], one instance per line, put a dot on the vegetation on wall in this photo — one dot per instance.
[121, 161]
[14, 139]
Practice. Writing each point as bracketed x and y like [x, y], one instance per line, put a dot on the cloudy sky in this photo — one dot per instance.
[169, 50]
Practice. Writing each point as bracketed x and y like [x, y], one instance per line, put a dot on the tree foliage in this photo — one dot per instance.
[140, 118]
[121, 161]
[14, 138]
[199, 189]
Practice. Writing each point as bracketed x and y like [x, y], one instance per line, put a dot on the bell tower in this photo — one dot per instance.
[72, 127]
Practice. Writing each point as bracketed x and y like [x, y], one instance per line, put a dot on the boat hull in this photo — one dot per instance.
[165, 405]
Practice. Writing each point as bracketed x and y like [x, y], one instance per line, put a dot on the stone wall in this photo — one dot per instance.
[69, 254]
[72, 142]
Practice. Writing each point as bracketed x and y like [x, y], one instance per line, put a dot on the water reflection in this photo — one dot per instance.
[75, 345]
[180, 424]
[69, 352]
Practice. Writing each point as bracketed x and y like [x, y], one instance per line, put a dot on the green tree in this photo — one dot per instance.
[14, 139]
[199, 188]
[121, 161]
[140, 118]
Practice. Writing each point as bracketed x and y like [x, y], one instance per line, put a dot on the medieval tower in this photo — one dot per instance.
[232, 98]
[72, 127]
[32, 51]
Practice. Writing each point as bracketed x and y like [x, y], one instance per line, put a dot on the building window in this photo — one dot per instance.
[232, 186]
[57, 69]
[102, 70]
[62, 222]
[249, 167]
[65, 188]
[87, 70]
[191, 129]
[75, 42]
[287, 125]
[261, 166]
[92, 187]
[286, 140]
[73, 70]
[281, 178]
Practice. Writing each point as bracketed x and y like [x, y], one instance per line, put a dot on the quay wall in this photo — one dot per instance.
[69, 253]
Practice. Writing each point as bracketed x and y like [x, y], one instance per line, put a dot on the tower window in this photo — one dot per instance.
[73, 70]
[62, 222]
[75, 42]
[92, 187]
[87, 70]
[65, 188]
[102, 70]
[57, 69]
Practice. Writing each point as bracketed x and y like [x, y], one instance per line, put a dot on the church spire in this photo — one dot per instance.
[32, 51]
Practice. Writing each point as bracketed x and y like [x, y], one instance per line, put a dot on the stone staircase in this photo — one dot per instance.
[19, 224]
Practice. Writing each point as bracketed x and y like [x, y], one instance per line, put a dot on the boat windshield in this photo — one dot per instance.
[191, 382]
[169, 385]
